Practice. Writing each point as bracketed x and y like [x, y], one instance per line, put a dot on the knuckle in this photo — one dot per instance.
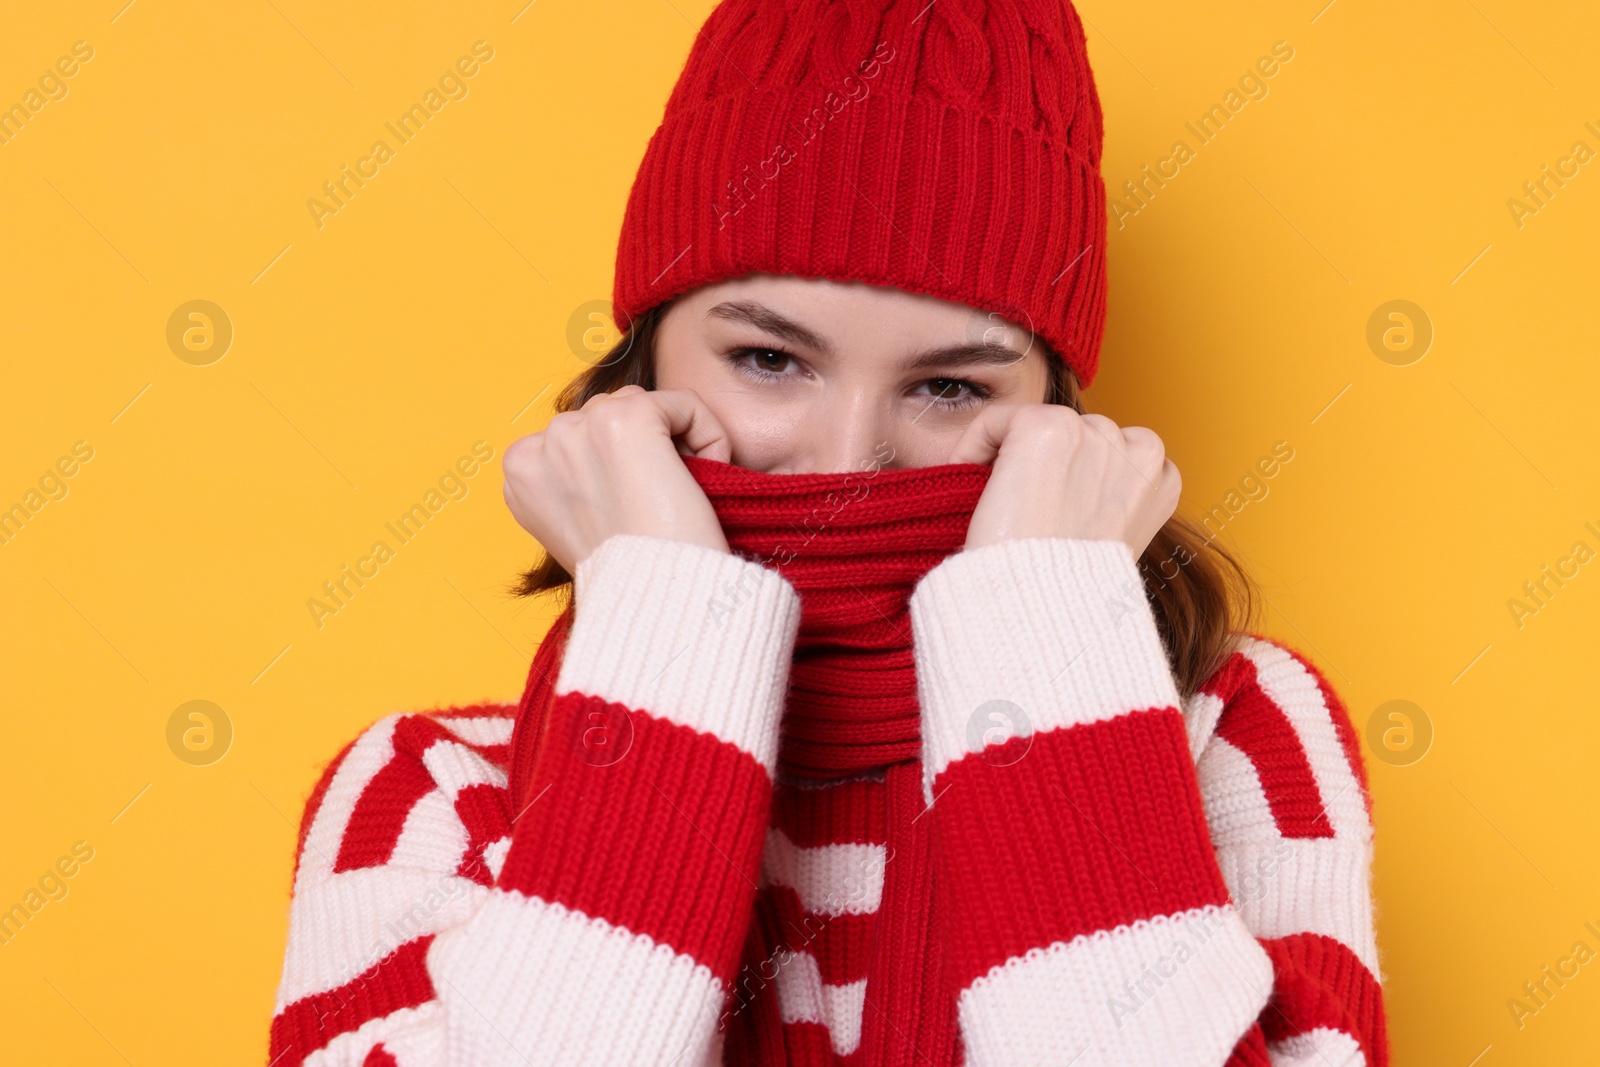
[521, 453]
[1142, 436]
[1144, 446]
[1049, 421]
[611, 419]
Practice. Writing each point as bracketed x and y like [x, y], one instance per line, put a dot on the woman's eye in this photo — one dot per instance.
[768, 364]
[761, 362]
[948, 392]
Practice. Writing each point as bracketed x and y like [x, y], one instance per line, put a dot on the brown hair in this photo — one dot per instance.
[1201, 596]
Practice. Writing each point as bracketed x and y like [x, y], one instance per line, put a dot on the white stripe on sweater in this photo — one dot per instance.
[1305, 885]
[414, 1036]
[529, 983]
[370, 753]
[485, 730]
[1287, 683]
[494, 854]
[352, 920]
[1322, 1047]
[455, 767]
[1175, 990]
[1061, 625]
[686, 633]
[1283, 885]
[1200, 714]
[356, 917]
[830, 880]
[804, 997]
[1235, 803]
[433, 837]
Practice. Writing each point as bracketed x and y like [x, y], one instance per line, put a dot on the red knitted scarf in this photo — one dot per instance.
[854, 545]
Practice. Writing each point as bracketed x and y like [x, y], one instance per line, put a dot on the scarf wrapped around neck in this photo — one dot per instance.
[853, 545]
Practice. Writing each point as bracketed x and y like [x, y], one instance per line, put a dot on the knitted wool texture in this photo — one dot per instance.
[1124, 882]
[951, 149]
[854, 546]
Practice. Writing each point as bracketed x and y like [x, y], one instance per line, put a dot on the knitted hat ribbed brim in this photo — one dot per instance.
[916, 146]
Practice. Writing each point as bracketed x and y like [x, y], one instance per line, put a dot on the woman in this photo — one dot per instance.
[894, 718]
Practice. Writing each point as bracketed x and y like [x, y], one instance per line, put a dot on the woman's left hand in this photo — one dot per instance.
[1061, 474]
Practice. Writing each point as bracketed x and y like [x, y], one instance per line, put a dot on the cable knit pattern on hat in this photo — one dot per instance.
[950, 148]
[671, 854]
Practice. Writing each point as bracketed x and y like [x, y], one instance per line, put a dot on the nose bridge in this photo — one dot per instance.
[846, 430]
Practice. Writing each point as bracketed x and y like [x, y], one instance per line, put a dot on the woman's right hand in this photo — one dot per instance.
[614, 466]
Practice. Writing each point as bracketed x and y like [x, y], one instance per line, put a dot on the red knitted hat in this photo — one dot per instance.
[949, 148]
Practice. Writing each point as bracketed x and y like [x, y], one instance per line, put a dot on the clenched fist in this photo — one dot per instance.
[1061, 474]
[613, 467]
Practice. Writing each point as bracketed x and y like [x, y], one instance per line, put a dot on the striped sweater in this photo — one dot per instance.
[1133, 879]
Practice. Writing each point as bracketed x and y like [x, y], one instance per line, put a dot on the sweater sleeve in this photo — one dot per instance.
[1087, 913]
[1290, 814]
[431, 924]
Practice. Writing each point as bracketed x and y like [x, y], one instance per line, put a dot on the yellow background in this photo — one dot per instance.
[428, 313]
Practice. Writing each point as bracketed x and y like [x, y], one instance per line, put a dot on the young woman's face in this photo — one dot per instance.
[811, 375]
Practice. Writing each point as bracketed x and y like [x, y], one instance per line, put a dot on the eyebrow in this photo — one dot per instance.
[964, 354]
[769, 321]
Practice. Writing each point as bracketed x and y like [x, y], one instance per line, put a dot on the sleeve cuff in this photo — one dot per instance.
[1058, 627]
[689, 633]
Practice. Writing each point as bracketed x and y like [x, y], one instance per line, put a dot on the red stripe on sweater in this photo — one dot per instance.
[399, 980]
[751, 1019]
[1095, 826]
[1251, 1051]
[533, 709]
[665, 841]
[840, 943]
[475, 711]
[1259, 728]
[499, 754]
[482, 810]
[1341, 724]
[381, 811]
[1235, 673]
[756, 1037]
[1318, 981]
[838, 813]
[379, 1056]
